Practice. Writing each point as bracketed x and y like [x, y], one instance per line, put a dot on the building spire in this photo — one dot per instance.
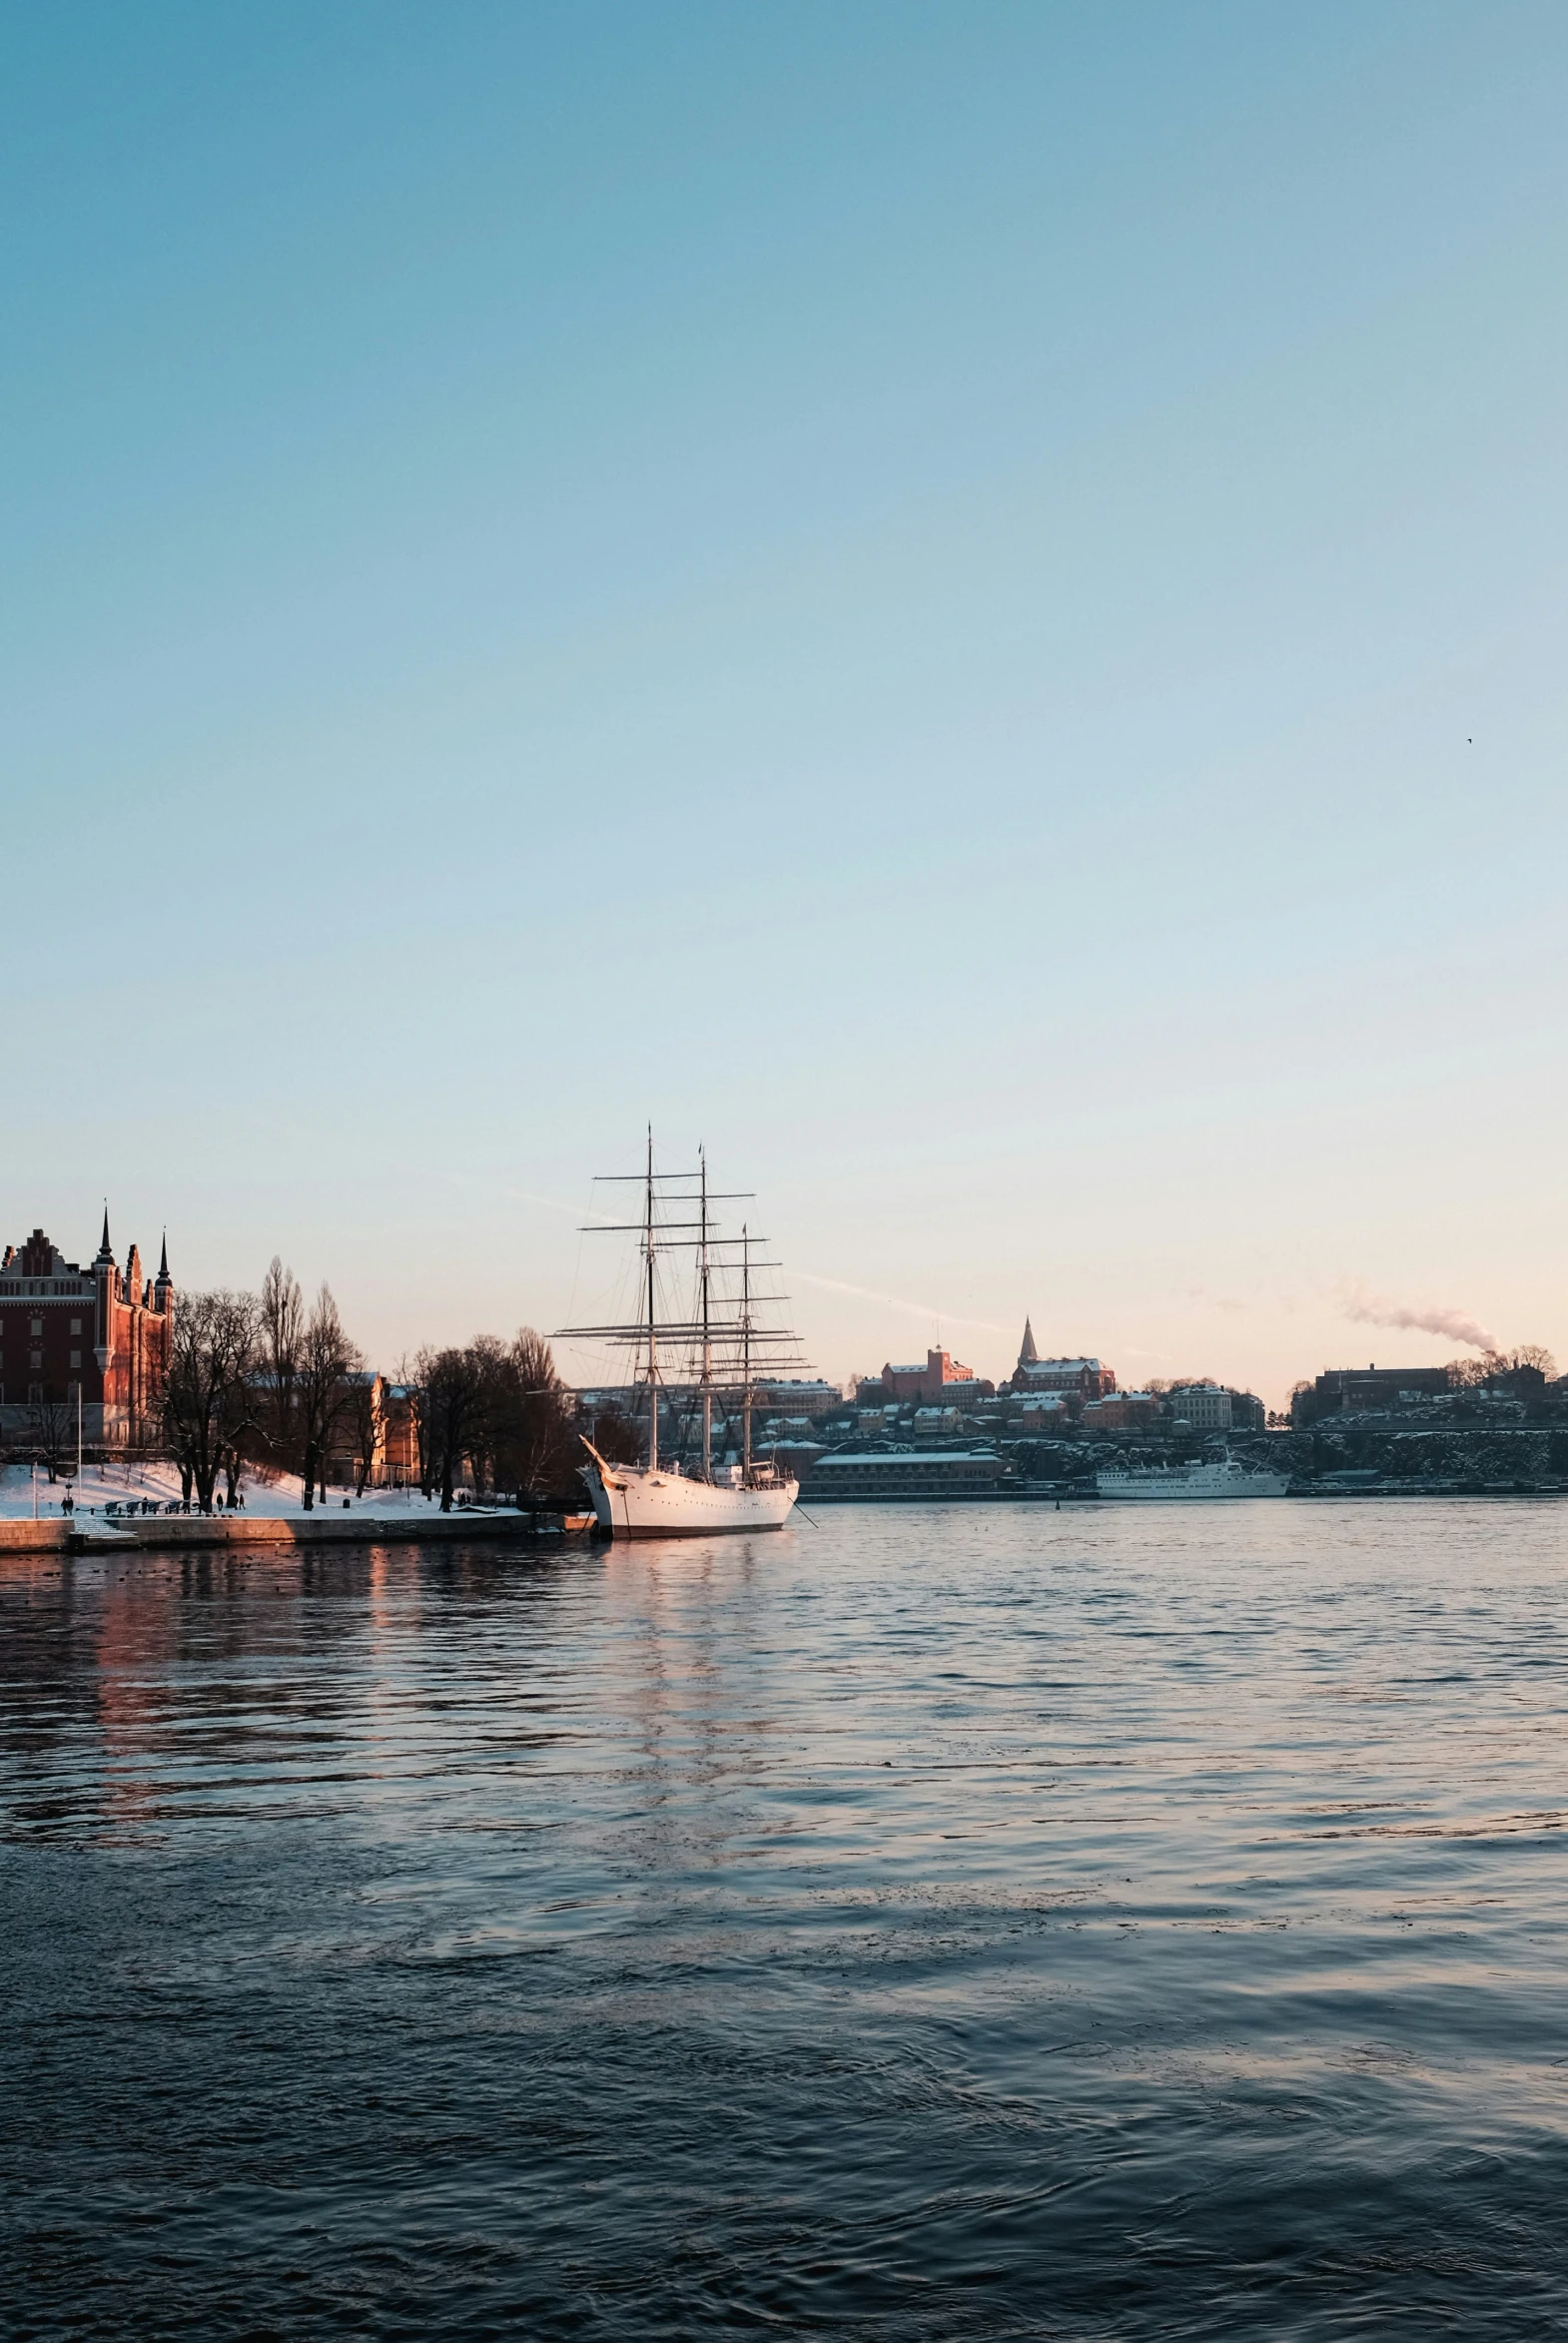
[1027, 1355]
[106, 1249]
[163, 1265]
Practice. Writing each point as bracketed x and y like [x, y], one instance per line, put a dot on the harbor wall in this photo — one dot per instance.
[93, 1535]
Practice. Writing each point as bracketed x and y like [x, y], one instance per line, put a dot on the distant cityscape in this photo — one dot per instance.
[935, 1427]
[91, 1362]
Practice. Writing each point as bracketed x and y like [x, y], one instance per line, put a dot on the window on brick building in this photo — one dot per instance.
[38, 1325]
[76, 1358]
[35, 1358]
[76, 1325]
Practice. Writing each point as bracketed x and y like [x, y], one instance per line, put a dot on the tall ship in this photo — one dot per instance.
[1168, 1484]
[721, 1342]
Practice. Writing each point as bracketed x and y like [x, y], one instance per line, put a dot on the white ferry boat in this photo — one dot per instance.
[1182, 1483]
[724, 1340]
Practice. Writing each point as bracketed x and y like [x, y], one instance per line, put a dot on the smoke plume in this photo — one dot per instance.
[1458, 1325]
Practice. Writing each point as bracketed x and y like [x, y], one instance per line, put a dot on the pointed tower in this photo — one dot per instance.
[163, 1283]
[106, 1293]
[1027, 1355]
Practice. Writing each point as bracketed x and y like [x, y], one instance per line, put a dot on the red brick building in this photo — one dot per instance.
[933, 1380]
[101, 1331]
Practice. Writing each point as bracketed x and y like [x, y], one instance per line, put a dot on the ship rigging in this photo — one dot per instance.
[724, 1344]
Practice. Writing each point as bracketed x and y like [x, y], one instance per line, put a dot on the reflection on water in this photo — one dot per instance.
[927, 1925]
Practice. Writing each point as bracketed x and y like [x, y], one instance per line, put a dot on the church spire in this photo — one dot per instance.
[163, 1265]
[1027, 1355]
[106, 1249]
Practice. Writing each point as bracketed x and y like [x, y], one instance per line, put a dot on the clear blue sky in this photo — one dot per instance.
[965, 604]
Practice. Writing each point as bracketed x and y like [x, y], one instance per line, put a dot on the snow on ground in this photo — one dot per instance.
[158, 1484]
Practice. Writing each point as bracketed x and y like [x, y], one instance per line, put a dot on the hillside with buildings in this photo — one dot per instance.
[258, 1393]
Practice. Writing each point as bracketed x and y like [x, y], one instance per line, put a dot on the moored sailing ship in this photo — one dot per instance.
[724, 1339]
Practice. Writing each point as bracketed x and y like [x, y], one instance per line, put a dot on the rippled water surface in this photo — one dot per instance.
[973, 1923]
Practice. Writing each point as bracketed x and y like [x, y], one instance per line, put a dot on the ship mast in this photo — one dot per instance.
[708, 1331]
[653, 1353]
[745, 1348]
[720, 1333]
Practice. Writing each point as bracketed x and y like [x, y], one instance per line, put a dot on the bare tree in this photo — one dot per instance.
[51, 1428]
[1531, 1354]
[367, 1422]
[492, 1409]
[617, 1438]
[410, 1381]
[453, 1396]
[208, 1389]
[547, 1452]
[282, 1313]
[322, 1387]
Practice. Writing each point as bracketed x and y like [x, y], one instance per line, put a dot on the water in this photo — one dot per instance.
[975, 1922]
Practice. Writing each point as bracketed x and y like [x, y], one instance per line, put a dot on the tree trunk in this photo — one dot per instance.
[447, 1484]
[309, 1490]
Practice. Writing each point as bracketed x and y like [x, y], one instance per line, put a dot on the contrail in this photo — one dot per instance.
[530, 1196]
[913, 1309]
[1456, 1325]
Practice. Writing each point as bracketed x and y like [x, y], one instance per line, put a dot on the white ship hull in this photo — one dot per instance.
[632, 1502]
[1195, 1483]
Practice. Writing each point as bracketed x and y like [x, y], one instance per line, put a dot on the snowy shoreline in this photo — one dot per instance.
[156, 1484]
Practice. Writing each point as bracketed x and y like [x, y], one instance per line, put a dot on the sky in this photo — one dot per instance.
[962, 604]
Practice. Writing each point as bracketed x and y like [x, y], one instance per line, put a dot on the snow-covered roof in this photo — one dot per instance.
[840, 1457]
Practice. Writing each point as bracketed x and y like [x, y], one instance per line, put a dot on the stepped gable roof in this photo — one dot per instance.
[39, 1257]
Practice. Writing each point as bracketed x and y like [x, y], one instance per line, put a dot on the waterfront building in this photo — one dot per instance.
[932, 1424]
[1122, 1412]
[1356, 1390]
[892, 1473]
[1042, 1412]
[935, 1379]
[395, 1457]
[1201, 1407]
[95, 1340]
[1083, 1378]
[805, 1398]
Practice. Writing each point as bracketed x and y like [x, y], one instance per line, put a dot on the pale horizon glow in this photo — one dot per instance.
[962, 604]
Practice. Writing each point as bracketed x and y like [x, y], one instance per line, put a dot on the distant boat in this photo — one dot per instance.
[1176, 1483]
[725, 1342]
